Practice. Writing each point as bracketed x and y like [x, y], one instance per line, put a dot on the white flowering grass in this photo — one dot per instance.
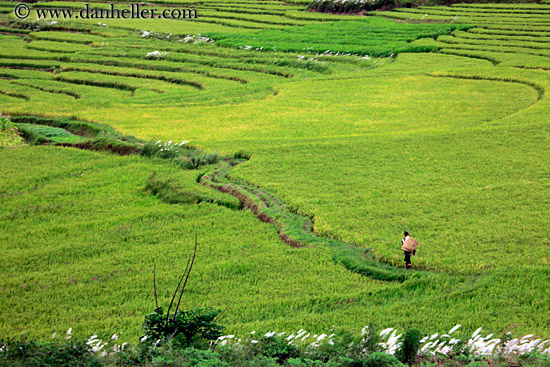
[169, 147]
[301, 339]
[180, 151]
[196, 39]
[156, 54]
[480, 345]
[98, 346]
[390, 342]
[190, 38]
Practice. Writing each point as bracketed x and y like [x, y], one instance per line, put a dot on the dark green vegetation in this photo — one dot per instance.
[263, 350]
[410, 346]
[74, 133]
[195, 327]
[43, 133]
[452, 146]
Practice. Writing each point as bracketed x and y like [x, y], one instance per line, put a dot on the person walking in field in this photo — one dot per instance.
[408, 245]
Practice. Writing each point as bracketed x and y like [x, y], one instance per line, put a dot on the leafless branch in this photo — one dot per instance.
[187, 277]
[221, 313]
[155, 285]
[176, 292]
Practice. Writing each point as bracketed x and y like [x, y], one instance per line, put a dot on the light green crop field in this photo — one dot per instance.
[437, 123]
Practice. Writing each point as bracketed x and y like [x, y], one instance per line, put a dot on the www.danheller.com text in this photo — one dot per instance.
[134, 11]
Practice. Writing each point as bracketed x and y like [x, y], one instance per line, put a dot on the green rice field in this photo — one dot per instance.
[351, 129]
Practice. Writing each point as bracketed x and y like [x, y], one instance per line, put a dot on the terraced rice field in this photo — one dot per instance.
[433, 120]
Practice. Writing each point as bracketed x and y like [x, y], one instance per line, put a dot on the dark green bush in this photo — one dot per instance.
[167, 355]
[202, 358]
[193, 328]
[378, 359]
[259, 361]
[340, 348]
[477, 364]
[409, 346]
[263, 350]
[196, 158]
[275, 347]
[336, 362]
[534, 360]
[189, 357]
[464, 359]
[241, 154]
[24, 352]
